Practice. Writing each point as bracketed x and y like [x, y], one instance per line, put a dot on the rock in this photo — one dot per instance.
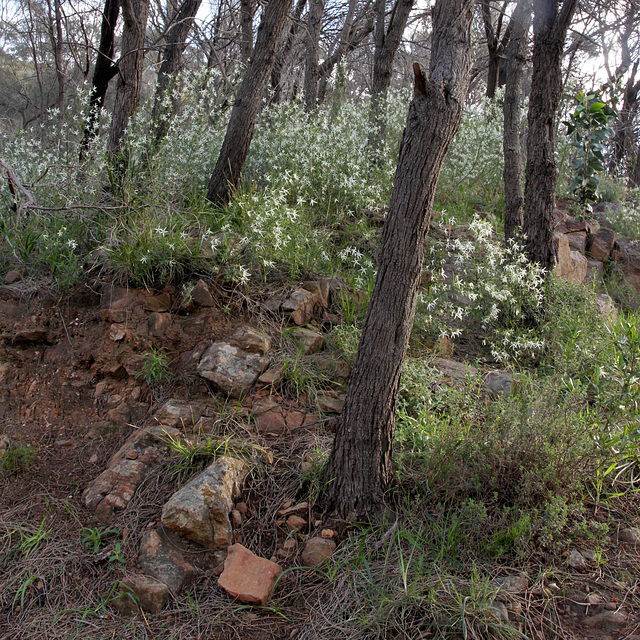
[273, 419]
[141, 591]
[317, 551]
[251, 340]
[112, 490]
[626, 253]
[604, 620]
[601, 244]
[200, 510]
[157, 304]
[296, 523]
[334, 368]
[309, 341]
[6, 443]
[595, 269]
[158, 323]
[301, 507]
[498, 383]
[117, 332]
[248, 577]
[29, 336]
[512, 584]
[607, 307]
[631, 535]
[299, 306]
[176, 413]
[500, 610]
[163, 561]
[577, 241]
[322, 289]
[330, 401]
[120, 414]
[577, 560]
[5, 371]
[236, 519]
[232, 370]
[570, 265]
[273, 375]
[13, 276]
[201, 294]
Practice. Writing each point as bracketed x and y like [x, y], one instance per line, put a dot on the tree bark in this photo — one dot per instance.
[515, 62]
[247, 11]
[55, 35]
[311, 73]
[171, 62]
[359, 468]
[235, 147]
[386, 46]
[285, 50]
[550, 25]
[104, 70]
[130, 69]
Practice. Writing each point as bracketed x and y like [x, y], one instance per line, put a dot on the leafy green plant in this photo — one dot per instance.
[590, 127]
[94, 538]
[155, 368]
[16, 458]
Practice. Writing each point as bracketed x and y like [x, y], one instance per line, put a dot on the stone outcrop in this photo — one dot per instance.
[570, 265]
[232, 370]
[112, 490]
[200, 510]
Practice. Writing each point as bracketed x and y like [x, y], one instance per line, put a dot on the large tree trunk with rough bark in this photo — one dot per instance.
[104, 70]
[387, 41]
[515, 63]
[235, 147]
[311, 72]
[550, 24]
[360, 467]
[130, 69]
[171, 62]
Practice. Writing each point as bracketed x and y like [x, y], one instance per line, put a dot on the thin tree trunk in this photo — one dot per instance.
[359, 468]
[235, 147]
[386, 46]
[171, 62]
[55, 34]
[104, 70]
[515, 63]
[550, 26]
[311, 74]
[130, 69]
[285, 50]
[247, 11]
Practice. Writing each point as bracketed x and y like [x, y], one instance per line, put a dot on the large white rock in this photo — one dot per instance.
[200, 510]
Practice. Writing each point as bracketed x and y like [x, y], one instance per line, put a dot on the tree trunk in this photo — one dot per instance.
[360, 464]
[285, 50]
[515, 62]
[386, 47]
[235, 147]
[247, 11]
[55, 35]
[130, 69]
[550, 26]
[104, 70]
[171, 62]
[314, 25]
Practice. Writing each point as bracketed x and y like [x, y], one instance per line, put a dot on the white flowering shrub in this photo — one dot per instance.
[472, 170]
[478, 282]
[326, 153]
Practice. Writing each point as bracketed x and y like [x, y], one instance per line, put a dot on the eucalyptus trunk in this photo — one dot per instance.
[360, 466]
